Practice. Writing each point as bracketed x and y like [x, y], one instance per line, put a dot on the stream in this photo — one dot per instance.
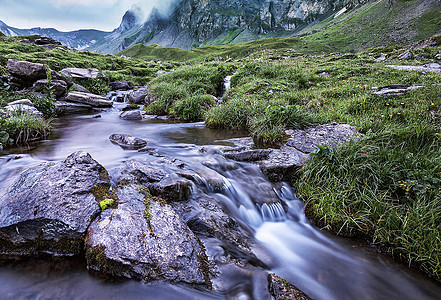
[320, 264]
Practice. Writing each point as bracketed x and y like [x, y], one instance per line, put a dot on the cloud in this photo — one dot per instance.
[67, 15]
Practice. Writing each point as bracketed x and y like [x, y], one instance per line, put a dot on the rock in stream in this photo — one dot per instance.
[49, 207]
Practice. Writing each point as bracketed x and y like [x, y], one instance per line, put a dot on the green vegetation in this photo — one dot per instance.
[187, 88]
[106, 203]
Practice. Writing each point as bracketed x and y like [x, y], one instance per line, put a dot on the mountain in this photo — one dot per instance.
[194, 23]
[79, 39]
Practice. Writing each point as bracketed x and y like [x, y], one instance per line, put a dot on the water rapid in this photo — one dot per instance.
[324, 266]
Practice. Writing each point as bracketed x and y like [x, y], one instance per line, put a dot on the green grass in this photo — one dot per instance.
[175, 90]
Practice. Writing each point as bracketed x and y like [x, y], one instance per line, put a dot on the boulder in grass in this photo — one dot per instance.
[89, 99]
[26, 71]
[138, 96]
[48, 208]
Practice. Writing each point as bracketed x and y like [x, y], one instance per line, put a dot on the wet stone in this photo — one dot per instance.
[128, 142]
[143, 238]
[48, 207]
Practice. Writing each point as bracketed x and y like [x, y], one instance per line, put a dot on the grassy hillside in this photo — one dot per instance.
[374, 24]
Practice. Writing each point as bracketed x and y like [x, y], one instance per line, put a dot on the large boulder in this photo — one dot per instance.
[138, 95]
[89, 99]
[82, 73]
[28, 72]
[126, 141]
[49, 207]
[143, 238]
[68, 108]
[59, 87]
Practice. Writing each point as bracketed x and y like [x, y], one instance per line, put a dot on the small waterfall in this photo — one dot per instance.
[227, 83]
[273, 212]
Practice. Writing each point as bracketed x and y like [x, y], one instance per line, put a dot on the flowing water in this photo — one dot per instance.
[324, 266]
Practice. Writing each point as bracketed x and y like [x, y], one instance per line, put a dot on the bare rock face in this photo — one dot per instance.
[145, 239]
[89, 99]
[26, 71]
[48, 208]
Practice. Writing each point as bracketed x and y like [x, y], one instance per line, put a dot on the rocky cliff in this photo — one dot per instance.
[201, 22]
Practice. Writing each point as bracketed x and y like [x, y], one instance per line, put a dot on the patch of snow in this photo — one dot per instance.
[340, 12]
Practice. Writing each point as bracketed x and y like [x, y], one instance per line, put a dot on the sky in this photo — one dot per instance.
[69, 15]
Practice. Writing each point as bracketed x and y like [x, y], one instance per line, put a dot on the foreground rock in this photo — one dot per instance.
[89, 99]
[282, 164]
[126, 141]
[145, 239]
[48, 207]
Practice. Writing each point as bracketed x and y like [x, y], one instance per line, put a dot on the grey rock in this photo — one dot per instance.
[331, 135]
[89, 99]
[82, 73]
[282, 164]
[249, 155]
[324, 74]
[145, 239]
[79, 88]
[438, 56]
[67, 108]
[26, 71]
[131, 115]
[48, 208]
[138, 96]
[430, 67]
[406, 55]
[126, 141]
[130, 107]
[381, 58]
[160, 175]
[161, 72]
[21, 108]
[57, 76]
[59, 87]
[22, 101]
[396, 90]
[120, 85]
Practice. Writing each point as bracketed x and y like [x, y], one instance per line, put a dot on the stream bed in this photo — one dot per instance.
[320, 264]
